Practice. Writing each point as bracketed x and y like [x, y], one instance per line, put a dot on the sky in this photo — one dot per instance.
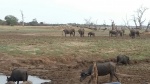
[74, 11]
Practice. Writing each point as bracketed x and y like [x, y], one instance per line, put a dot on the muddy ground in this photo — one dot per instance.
[67, 70]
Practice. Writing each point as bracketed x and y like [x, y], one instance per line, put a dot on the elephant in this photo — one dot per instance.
[81, 32]
[91, 34]
[103, 69]
[18, 74]
[134, 33]
[113, 32]
[69, 31]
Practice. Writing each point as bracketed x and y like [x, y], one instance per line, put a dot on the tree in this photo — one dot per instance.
[22, 15]
[139, 16]
[11, 20]
[33, 22]
[147, 28]
[2, 22]
[90, 24]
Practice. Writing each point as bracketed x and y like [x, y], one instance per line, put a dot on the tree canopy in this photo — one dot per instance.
[11, 20]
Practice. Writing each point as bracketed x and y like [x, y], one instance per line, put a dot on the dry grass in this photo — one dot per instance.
[48, 41]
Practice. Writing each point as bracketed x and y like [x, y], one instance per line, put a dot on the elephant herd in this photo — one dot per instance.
[133, 32]
[80, 31]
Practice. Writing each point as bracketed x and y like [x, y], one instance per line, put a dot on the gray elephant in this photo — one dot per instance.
[91, 34]
[134, 33]
[121, 32]
[81, 32]
[113, 32]
[69, 31]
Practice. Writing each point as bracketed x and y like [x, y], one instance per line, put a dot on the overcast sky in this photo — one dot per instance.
[74, 11]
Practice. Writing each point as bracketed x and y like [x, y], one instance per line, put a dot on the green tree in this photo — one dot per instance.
[2, 22]
[34, 22]
[11, 20]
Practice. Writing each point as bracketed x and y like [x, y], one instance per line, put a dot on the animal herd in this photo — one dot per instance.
[133, 32]
[103, 69]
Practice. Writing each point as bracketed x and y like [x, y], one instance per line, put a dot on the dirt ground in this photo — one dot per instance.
[67, 70]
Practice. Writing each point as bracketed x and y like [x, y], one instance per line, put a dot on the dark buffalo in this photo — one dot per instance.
[134, 33]
[103, 69]
[113, 32]
[69, 31]
[123, 59]
[81, 32]
[91, 34]
[18, 74]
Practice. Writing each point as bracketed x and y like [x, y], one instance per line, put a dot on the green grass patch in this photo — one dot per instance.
[48, 41]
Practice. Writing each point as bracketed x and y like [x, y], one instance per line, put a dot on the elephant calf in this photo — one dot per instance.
[113, 32]
[18, 74]
[91, 34]
[103, 69]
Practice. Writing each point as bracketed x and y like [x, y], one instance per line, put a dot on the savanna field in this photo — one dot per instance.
[47, 53]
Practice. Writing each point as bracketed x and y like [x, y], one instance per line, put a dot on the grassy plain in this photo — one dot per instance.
[49, 41]
[48, 54]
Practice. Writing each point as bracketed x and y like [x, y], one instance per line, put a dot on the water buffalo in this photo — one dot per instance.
[69, 31]
[81, 32]
[134, 33]
[18, 74]
[123, 59]
[91, 34]
[113, 32]
[103, 69]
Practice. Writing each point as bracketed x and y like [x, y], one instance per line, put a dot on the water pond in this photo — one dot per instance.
[34, 79]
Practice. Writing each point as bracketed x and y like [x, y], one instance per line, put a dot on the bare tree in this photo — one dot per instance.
[22, 15]
[126, 21]
[147, 28]
[89, 23]
[138, 18]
